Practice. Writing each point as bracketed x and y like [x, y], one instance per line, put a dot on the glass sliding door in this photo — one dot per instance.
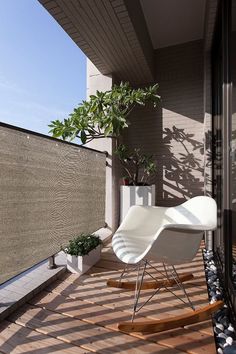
[217, 90]
[224, 132]
[233, 137]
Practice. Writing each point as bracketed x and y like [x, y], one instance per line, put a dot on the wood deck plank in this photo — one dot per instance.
[122, 301]
[80, 309]
[15, 339]
[109, 319]
[199, 298]
[82, 312]
[79, 333]
[193, 342]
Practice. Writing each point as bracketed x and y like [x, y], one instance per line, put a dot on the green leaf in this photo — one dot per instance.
[106, 112]
[83, 137]
[82, 244]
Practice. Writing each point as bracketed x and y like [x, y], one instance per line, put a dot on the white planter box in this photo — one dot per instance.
[135, 195]
[82, 264]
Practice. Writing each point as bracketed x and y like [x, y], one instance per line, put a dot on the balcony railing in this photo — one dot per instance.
[50, 191]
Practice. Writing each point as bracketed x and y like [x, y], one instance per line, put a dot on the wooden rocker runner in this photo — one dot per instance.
[170, 236]
[156, 284]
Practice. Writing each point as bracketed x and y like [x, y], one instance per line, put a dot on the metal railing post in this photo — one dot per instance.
[51, 262]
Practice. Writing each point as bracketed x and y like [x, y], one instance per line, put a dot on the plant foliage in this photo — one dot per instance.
[82, 244]
[139, 167]
[104, 114]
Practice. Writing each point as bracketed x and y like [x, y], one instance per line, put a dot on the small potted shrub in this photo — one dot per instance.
[139, 168]
[83, 252]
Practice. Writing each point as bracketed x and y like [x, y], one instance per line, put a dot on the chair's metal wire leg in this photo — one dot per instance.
[181, 285]
[150, 297]
[126, 271]
[175, 276]
[135, 293]
[122, 274]
[168, 274]
[157, 270]
[138, 289]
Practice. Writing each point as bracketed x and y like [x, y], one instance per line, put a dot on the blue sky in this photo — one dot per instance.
[42, 71]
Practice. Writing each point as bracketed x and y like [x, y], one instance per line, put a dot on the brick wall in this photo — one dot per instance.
[174, 132]
[97, 81]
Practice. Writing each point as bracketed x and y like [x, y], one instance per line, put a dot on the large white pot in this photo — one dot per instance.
[82, 264]
[135, 195]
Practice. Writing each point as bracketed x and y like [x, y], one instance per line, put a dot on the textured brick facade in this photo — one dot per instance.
[174, 132]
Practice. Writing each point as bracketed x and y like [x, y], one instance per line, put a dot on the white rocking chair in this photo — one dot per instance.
[171, 236]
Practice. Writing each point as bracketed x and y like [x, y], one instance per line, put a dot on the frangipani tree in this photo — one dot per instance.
[104, 114]
[138, 166]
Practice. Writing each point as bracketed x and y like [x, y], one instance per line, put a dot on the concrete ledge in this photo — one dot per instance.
[105, 234]
[18, 290]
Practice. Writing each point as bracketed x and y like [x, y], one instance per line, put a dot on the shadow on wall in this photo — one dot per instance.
[183, 172]
[174, 132]
[208, 156]
[183, 160]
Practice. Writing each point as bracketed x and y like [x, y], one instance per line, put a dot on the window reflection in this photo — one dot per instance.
[233, 137]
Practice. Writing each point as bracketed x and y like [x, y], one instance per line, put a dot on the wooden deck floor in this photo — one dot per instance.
[80, 315]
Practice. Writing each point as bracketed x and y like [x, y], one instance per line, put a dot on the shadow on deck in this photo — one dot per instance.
[79, 314]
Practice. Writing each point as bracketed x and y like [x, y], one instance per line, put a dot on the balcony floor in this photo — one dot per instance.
[80, 314]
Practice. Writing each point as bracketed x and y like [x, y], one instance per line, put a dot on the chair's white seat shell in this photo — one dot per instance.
[171, 235]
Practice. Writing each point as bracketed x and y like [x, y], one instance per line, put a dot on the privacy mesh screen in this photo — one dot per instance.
[50, 191]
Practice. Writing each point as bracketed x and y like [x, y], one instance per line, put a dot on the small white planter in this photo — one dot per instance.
[135, 195]
[82, 264]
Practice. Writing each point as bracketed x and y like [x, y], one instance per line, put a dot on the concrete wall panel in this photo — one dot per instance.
[174, 132]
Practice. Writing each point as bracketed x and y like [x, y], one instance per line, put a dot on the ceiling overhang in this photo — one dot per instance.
[172, 22]
[111, 33]
[120, 36]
